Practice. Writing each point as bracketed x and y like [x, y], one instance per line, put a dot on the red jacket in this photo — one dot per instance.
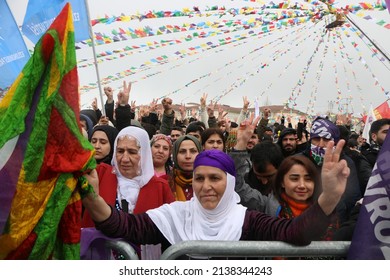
[154, 194]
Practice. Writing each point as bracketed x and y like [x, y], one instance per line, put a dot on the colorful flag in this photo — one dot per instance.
[388, 5]
[371, 238]
[382, 111]
[43, 152]
[367, 124]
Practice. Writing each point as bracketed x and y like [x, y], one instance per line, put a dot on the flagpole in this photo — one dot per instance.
[94, 56]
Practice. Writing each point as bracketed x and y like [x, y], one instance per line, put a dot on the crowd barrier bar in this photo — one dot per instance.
[336, 249]
[122, 247]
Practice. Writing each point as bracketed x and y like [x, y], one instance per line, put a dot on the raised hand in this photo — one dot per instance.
[133, 106]
[334, 175]
[221, 113]
[109, 93]
[245, 131]
[146, 111]
[210, 108]
[153, 105]
[194, 113]
[141, 112]
[182, 110]
[246, 103]
[94, 104]
[203, 100]
[124, 95]
[266, 113]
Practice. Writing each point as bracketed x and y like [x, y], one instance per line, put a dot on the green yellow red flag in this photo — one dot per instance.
[43, 152]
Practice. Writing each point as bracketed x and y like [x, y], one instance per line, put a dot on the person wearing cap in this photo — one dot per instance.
[321, 133]
[214, 213]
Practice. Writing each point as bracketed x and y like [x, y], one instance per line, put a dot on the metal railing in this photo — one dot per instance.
[201, 249]
[245, 249]
[123, 248]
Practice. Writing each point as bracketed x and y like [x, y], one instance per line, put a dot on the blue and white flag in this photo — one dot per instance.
[13, 51]
[371, 238]
[41, 13]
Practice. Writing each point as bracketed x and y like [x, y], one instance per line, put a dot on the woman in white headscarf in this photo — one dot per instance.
[129, 185]
[214, 213]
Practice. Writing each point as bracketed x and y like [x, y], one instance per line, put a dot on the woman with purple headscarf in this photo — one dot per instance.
[214, 213]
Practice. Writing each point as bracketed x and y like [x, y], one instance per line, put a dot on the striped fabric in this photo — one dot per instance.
[43, 152]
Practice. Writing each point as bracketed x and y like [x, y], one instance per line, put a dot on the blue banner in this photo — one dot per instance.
[41, 13]
[13, 51]
[371, 238]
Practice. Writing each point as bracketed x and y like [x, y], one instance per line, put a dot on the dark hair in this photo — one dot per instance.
[111, 133]
[266, 138]
[352, 143]
[285, 167]
[150, 129]
[178, 128]
[377, 125]
[265, 153]
[195, 127]
[344, 132]
[91, 114]
[284, 133]
[205, 135]
[354, 135]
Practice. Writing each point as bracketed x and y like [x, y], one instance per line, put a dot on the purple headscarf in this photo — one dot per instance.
[325, 129]
[216, 158]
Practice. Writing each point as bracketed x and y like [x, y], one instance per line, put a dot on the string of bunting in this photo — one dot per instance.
[160, 60]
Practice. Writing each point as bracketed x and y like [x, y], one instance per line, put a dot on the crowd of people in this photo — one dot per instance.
[163, 177]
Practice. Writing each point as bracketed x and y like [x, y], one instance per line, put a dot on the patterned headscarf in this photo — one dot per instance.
[324, 128]
[157, 137]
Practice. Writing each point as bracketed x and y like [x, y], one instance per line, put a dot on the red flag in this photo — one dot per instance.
[382, 111]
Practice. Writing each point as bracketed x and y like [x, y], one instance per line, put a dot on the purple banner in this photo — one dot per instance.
[371, 239]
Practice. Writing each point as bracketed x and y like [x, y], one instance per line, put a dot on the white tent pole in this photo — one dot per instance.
[94, 57]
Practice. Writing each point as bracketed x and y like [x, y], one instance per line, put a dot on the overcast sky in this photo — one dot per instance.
[268, 67]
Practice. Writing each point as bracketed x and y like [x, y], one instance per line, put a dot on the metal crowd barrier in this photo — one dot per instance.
[123, 248]
[249, 249]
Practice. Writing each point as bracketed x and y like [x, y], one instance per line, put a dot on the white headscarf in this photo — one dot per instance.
[182, 221]
[128, 189]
